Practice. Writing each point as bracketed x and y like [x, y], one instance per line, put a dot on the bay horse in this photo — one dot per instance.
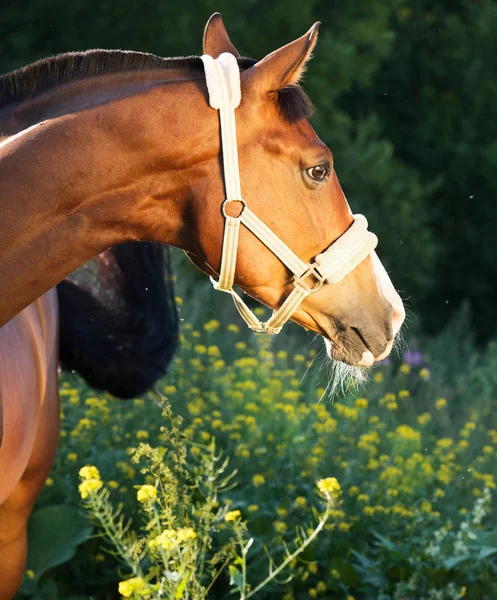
[105, 148]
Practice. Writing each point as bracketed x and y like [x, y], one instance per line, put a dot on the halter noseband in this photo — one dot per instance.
[345, 254]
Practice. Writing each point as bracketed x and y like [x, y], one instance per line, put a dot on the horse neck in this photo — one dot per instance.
[75, 184]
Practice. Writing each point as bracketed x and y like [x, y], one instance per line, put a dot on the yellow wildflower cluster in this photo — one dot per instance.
[172, 538]
[232, 515]
[329, 486]
[91, 481]
[135, 585]
[146, 493]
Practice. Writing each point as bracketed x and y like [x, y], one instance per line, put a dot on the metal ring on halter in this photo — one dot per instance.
[312, 270]
[244, 206]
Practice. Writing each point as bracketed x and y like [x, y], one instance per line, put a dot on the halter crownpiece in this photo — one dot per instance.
[344, 255]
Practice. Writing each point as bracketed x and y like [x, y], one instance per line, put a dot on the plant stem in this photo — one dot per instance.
[289, 559]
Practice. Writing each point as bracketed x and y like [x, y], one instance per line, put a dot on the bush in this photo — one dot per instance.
[416, 469]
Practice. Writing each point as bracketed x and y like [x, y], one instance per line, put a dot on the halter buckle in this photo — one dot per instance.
[312, 269]
[227, 201]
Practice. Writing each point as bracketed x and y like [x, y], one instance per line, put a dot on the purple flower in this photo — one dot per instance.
[413, 359]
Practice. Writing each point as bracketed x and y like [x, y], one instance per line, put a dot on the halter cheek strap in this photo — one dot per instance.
[345, 254]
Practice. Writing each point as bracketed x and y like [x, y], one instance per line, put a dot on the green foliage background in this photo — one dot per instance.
[406, 96]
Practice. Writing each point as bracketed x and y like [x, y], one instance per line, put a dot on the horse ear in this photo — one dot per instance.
[283, 67]
[216, 39]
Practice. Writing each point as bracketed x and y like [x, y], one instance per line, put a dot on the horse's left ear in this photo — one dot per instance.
[216, 39]
[282, 67]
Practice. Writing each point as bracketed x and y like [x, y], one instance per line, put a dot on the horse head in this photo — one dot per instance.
[289, 182]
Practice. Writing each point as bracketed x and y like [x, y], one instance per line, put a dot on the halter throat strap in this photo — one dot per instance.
[223, 84]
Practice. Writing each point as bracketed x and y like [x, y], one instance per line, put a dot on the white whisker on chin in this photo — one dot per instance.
[343, 377]
[399, 342]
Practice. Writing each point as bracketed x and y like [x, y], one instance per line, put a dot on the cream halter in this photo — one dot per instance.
[223, 84]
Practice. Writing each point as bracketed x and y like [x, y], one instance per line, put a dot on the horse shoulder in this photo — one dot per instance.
[28, 358]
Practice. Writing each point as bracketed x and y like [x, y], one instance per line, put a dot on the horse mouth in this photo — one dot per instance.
[342, 354]
[343, 344]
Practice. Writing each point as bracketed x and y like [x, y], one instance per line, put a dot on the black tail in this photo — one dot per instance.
[118, 320]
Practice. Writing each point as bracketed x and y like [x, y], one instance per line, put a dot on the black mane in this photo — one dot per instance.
[49, 73]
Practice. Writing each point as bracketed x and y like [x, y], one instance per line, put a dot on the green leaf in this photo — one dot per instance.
[235, 577]
[54, 533]
[364, 561]
[48, 591]
[485, 552]
[385, 543]
[453, 561]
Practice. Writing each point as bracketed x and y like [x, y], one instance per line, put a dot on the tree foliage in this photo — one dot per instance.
[405, 91]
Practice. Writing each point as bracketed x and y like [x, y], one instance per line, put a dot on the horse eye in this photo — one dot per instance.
[319, 172]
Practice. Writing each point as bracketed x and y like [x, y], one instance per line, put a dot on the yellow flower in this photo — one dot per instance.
[345, 527]
[113, 484]
[282, 512]
[89, 472]
[258, 480]
[361, 403]
[368, 511]
[335, 573]
[233, 328]
[142, 434]
[405, 369]
[378, 377]
[328, 486]
[129, 587]
[408, 433]
[49, 481]
[362, 498]
[185, 533]
[440, 403]
[300, 501]
[146, 493]
[211, 326]
[424, 418]
[312, 567]
[72, 457]
[280, 527]
[232, 515]
[404, 393]
[424, 374]
[170, 538]
[354, 490]
[88, 486]
[252, 508]
[30, 574]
